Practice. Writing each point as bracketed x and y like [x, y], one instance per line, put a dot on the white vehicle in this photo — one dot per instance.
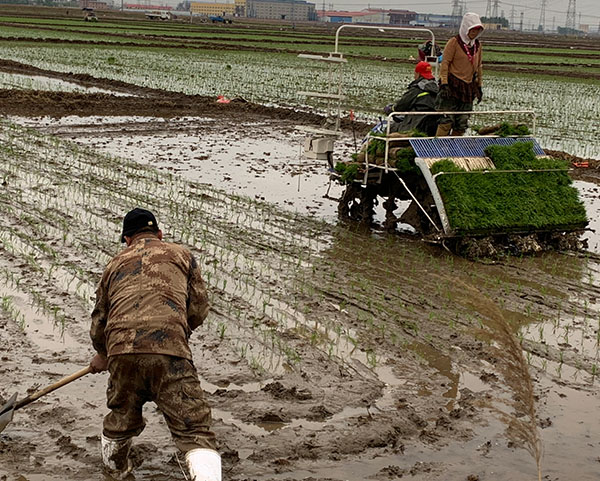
[159, 15]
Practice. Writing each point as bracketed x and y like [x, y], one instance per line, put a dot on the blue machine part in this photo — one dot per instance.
[448, 147]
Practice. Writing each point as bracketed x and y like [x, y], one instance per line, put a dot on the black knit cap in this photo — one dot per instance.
[137, 219]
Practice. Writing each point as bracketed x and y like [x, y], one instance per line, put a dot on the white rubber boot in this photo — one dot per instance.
[204, 464]
[115, 456]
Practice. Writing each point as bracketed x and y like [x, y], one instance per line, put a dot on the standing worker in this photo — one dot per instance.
[460, 76]
[149, 300]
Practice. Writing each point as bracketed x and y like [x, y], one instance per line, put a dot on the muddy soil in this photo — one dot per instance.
[330, 353]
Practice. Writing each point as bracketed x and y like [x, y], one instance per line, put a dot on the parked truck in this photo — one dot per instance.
[159, 15]
[219, 19]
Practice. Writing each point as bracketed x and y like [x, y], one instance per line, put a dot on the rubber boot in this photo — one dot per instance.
[458, 133]
[443, 130]
[203, 464]
[115, 456]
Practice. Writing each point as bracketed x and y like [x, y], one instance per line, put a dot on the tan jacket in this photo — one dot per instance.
[150, 298]
[456, 62]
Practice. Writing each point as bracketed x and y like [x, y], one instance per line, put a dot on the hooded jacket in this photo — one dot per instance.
[456, 61]
[469, 21]
[420, 97]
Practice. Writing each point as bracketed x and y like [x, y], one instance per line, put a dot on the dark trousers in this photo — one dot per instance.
[452, 104]
[170, 382]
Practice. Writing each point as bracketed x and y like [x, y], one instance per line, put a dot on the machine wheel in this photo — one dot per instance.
[357, 203]
[391, 221]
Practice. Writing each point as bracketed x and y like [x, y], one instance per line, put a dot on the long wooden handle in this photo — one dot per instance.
[52, 387]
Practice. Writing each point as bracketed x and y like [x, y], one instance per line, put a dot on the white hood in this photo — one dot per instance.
[469, 21]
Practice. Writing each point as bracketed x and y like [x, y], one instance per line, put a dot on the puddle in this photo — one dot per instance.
[443, 365]
[590, 195]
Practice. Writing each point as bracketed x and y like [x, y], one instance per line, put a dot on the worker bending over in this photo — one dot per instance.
[149, 300]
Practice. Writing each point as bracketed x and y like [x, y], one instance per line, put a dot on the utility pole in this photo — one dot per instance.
[456, 8]
[542, 24]
[571, 15]
[512, 18]
[521, 23]
[495, 9]
[488, 10]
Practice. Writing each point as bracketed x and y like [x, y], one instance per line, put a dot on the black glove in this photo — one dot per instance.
[445, 92]
[479, 94]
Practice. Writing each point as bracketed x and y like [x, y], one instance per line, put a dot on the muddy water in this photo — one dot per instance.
[386, 358]
[266, 165]
[590, 195]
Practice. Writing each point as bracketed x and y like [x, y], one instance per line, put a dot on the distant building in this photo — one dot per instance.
[293, 10]
[493, 26]
[94, 5]
[235, 9]
[139, 6]
[434, 20]
[402, 17]
[375, 16]
[335, 17]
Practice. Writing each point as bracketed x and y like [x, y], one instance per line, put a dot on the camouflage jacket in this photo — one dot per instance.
[150, 298]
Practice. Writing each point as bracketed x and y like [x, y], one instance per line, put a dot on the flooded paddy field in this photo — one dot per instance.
[331, 353]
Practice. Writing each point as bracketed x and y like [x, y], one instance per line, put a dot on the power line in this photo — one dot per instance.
[521, 23]
[548, 10]
[495, 9]
[456, 8]
[527, 5]
[542, 24]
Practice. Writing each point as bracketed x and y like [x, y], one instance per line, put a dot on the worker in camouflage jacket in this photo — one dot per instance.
[149, 300]
[420, 96]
